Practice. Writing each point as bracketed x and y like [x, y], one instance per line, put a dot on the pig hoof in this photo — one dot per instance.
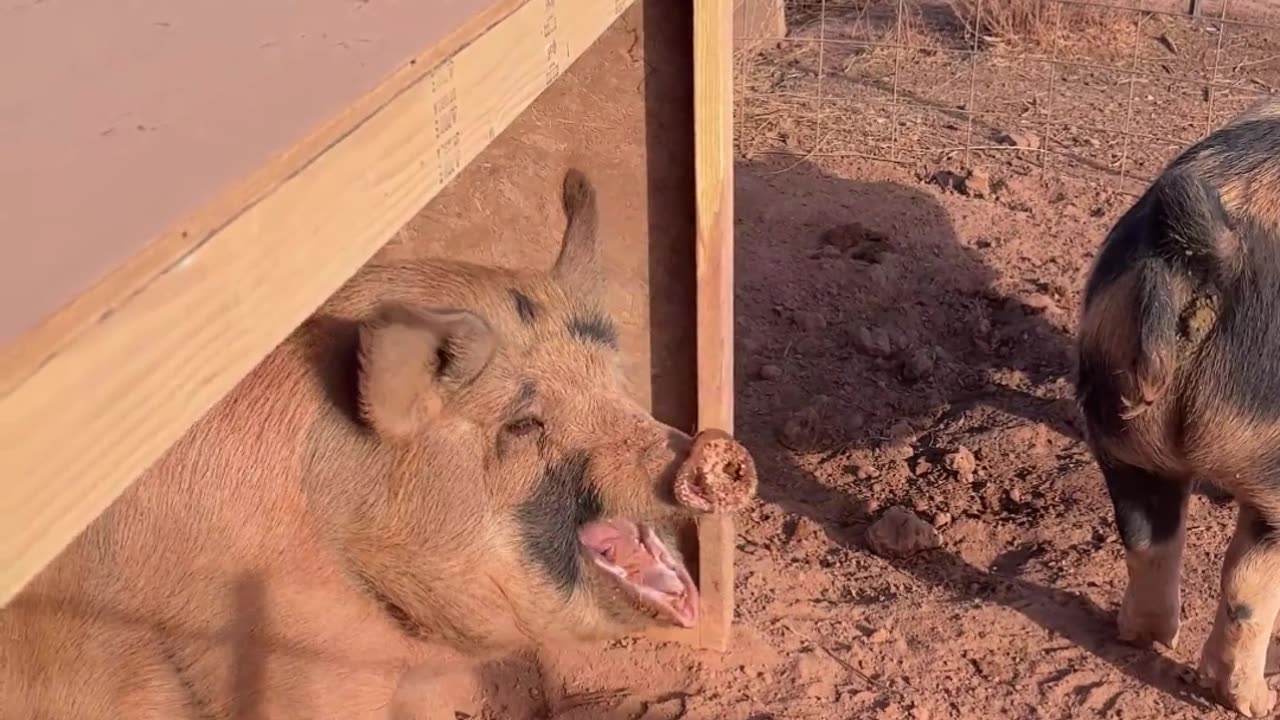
[1246, 693]
[1144, 628]
[719, 474]
[1253, 699]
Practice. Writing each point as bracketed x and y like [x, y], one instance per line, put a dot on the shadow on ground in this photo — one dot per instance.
[808, 296]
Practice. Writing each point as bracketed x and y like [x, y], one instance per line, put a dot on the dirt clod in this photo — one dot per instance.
[801, 430]
[900, 533]
[810, 321]
[921, 466]
[1020, 139]
[919, 364]
[977, 184]
[901, 432]
[1040, 303]
[770, 372]
[962, 462]
[805, 529]
[863, 470]
[872, 341]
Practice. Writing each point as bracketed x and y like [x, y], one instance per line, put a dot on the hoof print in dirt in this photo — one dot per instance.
[810, 320]
[900, 533]
[872, 342]
[719, 475]
[770, 372]
[918, 365]
[859, 242]
[801, 431]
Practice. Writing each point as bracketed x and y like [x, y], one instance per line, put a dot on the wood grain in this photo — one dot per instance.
[91, 399]
[713, 158]
[20, 359]
[123, 118]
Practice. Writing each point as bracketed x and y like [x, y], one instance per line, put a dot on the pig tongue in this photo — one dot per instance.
[645, 568]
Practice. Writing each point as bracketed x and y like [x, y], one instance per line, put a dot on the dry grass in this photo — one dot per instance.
[1035, 23]
[912, 30]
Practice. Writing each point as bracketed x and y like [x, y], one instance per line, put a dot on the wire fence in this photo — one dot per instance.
[1101, 90]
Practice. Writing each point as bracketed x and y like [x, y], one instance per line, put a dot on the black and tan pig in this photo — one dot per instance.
[1179, 384]
[441, 464]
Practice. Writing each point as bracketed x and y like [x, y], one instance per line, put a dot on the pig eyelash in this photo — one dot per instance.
[524, 426]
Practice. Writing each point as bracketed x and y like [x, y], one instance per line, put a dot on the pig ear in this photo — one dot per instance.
[577, 269]
[412, 358]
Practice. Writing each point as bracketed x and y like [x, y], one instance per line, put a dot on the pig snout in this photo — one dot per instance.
[719, 475]
[709, 472]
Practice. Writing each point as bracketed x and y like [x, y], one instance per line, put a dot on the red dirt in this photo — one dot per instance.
[898, 344]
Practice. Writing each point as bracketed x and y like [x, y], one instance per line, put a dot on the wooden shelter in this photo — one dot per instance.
[183, 183]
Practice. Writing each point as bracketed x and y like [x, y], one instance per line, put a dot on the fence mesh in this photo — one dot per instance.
[1100, 89]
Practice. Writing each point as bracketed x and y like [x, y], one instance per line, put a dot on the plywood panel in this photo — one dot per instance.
[120, 118]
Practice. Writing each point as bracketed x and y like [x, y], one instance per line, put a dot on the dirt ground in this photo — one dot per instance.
[902, 343]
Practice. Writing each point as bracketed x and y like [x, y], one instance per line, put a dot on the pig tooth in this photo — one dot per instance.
[609, 567]
[677, 609]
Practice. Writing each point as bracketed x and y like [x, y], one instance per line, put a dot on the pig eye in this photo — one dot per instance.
[524, 426]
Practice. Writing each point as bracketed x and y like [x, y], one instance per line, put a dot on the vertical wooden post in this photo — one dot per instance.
[713, 170]
[1194, 8]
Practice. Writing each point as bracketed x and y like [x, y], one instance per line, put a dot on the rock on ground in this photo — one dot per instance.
[900, 532]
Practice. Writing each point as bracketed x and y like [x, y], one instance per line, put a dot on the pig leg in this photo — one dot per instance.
[1235, 654]
[1151, 516]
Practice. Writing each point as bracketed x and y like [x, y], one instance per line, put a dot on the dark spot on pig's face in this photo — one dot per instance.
[526, 308]
[594, 327]
[563, 501]
[1239, 613]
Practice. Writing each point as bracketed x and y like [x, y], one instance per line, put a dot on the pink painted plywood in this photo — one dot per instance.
[120, 117]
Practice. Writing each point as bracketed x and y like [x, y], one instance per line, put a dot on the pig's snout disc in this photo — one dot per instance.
[719, 474]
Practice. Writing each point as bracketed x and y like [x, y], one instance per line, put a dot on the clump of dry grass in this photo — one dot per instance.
[1038, 23]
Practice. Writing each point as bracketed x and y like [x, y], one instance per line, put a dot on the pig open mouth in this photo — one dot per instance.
[644, 567]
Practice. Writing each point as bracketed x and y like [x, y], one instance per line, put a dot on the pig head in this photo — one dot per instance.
[511, 490]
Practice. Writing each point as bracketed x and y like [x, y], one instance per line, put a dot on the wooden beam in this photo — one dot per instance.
[713, 160]
[757, 23]
[94, 396]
